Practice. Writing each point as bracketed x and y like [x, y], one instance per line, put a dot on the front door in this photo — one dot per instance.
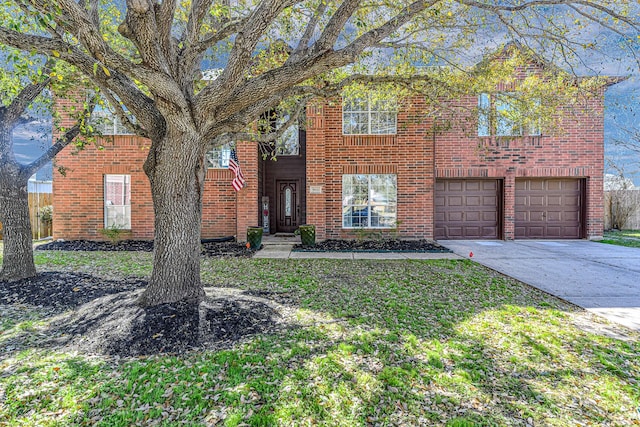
[288, 206]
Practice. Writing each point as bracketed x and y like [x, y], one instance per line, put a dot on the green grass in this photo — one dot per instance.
[380, 343]
[629, 238]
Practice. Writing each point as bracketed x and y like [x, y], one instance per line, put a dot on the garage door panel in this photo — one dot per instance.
[535, 185]
[554, 216]
[571, 230]
[469, 209]
[548, 208]
[535, 232]
[521, 216]
[553, 184]
[572, 200]
[474, 201]
[490, 185]
[536, 200]
[490, 217]
[553, 232]
[472, 185]
[473, 216]
[573, 185]
[455, 201]
[455, 216]
[489, 201]
[554, 200]
[571, 216]
[473, 231]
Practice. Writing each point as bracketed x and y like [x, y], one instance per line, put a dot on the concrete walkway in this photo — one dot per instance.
[601, 278]
[284, 250]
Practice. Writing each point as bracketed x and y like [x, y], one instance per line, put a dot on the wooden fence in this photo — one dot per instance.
[625, 199]
[39, 228]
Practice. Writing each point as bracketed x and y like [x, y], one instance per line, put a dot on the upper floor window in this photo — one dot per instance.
[369, 116]
[288, 144]
[218, 157]
[502, 115]
[106, 122]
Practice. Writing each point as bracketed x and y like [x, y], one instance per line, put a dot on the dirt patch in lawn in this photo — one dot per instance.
[96, 316]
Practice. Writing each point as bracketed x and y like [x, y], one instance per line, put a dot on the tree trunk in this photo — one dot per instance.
[176, 172]
[17, 260]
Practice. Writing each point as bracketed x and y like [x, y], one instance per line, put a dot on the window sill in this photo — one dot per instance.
[368, 228]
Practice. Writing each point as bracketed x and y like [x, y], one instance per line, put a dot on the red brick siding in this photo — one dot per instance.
[247, 198]
[78, 197]
[218, 204]
[415, 155]
[408, 154]
[575, 150]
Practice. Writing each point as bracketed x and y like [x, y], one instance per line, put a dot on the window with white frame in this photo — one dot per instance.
[218, 157]
[106, 122]
[369, 201]
[369, 116]
[117, 201]
[502, 115]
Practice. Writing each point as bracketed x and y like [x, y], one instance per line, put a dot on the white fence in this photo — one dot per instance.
[617, 203]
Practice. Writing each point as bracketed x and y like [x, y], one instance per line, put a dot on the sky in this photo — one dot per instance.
[30, 141]
[622, 112]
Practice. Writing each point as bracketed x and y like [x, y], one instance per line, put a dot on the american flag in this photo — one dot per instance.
[234, 164]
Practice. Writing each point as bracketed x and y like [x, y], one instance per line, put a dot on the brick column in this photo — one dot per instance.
[509, 205]
[247, 207]
[316, 202]
[595, 207]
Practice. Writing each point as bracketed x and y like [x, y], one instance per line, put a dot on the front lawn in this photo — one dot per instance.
[374, 343]
[630, 238]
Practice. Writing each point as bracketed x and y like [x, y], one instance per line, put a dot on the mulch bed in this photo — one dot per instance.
[58, 291]
[381, 245]
[210, 249]
[93, 315]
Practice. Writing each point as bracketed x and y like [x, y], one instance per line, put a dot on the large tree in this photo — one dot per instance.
[269, 52]
[26, 80]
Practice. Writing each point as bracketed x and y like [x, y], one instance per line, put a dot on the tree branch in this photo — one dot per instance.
[246, 41]
[303, 44]
[164, 21]
[336, 24]
[143, 107]
[27, 95]
[124, 117]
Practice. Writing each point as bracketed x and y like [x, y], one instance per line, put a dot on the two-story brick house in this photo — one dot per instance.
[363, 164]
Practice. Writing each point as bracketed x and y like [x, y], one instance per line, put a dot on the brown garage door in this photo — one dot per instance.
[467, 209]
[548, 208]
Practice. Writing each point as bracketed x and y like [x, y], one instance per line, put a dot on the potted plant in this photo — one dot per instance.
[254, 237]
[307, 234]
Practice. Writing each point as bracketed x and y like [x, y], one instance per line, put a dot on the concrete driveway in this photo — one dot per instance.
[604, 279]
